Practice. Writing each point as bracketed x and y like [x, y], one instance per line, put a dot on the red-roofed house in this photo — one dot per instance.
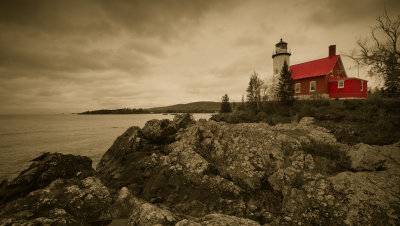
[324, 77]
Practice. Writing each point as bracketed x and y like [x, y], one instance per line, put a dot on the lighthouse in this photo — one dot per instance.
[280, 55]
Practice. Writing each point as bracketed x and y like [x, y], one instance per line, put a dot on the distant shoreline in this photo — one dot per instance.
[193, 108]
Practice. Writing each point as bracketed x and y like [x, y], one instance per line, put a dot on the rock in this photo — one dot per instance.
[183, 120]
[160, 131]
[306, 121]
[306, 131]
[62, 202]
[148, 214]
[243, 153]
[164, 131]
[362, 198]
[45, 169]
[123, 204]
[133, 156]
[366, 157]
[284, 174]
[294, 175]
[186, 222]
[211, 164]
[217, 220]
[126, 161]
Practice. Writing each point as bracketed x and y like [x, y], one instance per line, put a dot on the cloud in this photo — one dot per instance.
[338, 12]
[249, 41]
[79, 55]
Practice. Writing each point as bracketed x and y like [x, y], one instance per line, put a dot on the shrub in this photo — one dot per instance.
[371, 121]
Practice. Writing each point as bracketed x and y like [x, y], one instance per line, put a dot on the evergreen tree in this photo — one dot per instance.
[285, 86]
[225, 105]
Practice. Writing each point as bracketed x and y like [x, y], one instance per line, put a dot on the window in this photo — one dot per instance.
[340, 84]
[297, 88]
[362, 85]
[276, 71]
[338, 72]
[313, 86]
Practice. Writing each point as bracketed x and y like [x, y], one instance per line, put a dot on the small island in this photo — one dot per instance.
[194, 107]
[116, 111]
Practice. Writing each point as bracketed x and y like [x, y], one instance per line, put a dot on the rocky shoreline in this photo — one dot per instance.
[183, 172]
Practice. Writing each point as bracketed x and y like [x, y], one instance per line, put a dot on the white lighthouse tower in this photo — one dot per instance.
[280, 55]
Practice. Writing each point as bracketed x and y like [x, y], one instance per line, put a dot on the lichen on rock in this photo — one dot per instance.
[213, 173]
[79, 200]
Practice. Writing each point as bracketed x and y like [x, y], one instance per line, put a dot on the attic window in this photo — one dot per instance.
[340, 84]
[297, 88]
[313, 86]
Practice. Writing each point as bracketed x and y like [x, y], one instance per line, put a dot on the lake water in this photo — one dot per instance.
[24, 137]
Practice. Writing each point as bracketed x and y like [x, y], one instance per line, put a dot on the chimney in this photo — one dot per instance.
[332, 50]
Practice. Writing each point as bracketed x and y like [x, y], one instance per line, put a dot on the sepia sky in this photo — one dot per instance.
[73, 55]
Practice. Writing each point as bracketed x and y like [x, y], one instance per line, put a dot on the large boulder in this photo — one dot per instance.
[62, 202]
[289, 174]
[362, 198]
[56, 189]
[123, 204]
[163, 131]
[133, 156]
[148, 214]
[125, 161]
[160, 131]
[366, 157]
[45, 169]
[210, 166]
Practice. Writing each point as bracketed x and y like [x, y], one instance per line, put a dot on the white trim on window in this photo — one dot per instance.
[313, 86]
[340, 84]
[297, 88]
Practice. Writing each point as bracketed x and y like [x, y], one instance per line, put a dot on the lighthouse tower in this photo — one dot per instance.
[280, 55]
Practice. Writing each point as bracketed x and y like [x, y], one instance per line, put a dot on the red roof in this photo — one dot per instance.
[313, 68]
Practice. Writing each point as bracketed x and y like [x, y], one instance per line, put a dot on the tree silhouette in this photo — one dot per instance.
[381, 53]
[285, 86]
[225, 105]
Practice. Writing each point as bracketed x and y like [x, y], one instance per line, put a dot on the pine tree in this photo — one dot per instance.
[285, 86]
[225, 105]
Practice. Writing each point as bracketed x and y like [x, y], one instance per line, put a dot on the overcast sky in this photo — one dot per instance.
[72, 56]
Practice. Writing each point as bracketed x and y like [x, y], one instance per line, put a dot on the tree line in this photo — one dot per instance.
[259, 92]
[117, 111]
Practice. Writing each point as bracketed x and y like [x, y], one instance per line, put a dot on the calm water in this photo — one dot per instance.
[24, 137]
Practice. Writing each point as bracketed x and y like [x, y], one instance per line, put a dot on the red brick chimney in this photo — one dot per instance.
[332, 50]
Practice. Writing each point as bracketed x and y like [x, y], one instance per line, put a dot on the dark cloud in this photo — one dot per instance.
[163, 19]
[77, 36]
[75, 55]
[338, 12]
[249, 41]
